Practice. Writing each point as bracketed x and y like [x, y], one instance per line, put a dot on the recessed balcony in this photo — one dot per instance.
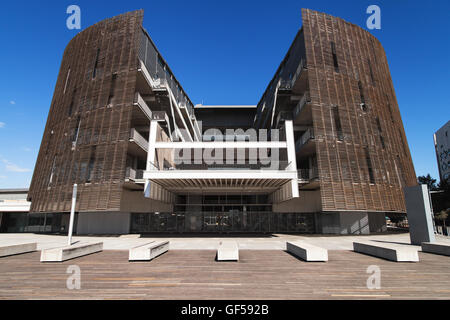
[298, 83]
[141, 114]
[302, 114]
[138, 145]
[308, 178]
[306, 143]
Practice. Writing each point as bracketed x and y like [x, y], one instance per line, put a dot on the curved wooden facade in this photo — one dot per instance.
[373, 131]
[86, 136]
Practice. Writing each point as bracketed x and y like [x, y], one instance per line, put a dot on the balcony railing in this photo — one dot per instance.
[308, 174]
[308, 135]
[301, 104]
[138, 139]
[139, 101]
[289, 84]
[273, 165]
[134, 174]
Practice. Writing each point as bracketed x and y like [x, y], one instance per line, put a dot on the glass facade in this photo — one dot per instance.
[35, 222]
[222, 213]
[226, 222]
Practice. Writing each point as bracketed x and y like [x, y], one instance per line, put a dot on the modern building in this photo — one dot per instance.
[14, 209]
[324, 150]
[442, 145]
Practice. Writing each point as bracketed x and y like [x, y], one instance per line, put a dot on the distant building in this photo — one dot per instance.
[14, 208]
[442, 145]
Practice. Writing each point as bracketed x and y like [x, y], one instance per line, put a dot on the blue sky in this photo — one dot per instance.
[222, 52]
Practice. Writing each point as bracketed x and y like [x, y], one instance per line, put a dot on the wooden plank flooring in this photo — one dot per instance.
[193, 274]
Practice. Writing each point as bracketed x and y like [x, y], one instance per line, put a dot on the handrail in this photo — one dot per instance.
[140, 140]
[308, 135]
[140, 102]
[135, 174]
[303, 101]
[308, 174]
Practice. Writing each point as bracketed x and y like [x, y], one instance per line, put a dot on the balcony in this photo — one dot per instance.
[134, 174]
[144, 81]
[234, 173]
[134, 179]
[138, 145]
[308, 178]
[244, 165]
[305, 143]
[298, 82]
[142, 114]
[302, 112]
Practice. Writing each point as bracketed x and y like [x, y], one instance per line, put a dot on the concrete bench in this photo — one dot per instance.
[437, 248]
[148, 251]
[17, 249]
[307, 251]
[228, 251]
[397, 253]
[70, 252]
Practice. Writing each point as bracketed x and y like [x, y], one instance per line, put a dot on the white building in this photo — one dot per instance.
[442, 145]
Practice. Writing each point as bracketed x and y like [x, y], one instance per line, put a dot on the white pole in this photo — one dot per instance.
[72, 213]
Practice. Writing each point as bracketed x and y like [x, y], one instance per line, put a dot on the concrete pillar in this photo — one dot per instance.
[419, 214]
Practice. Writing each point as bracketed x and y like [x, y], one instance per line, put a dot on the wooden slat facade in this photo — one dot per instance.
[345, 182]
[86, 98]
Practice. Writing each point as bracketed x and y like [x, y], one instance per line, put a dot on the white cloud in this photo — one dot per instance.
[11, 167]
[26, 149]
[3, 177]
[2, 124]
[12, 102]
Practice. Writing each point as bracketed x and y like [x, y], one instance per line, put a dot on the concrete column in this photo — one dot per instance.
[291, 155]
[419, 214]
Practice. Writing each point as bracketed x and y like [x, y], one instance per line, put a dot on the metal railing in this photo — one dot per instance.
[301, 104]
[308, 174]
[134, 174]
[289, 84]
[139, 101]
[273, 165]
[138, 139]
[308, 135]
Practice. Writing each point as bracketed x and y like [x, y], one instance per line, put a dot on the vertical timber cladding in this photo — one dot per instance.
[86, 136]
[368, 169]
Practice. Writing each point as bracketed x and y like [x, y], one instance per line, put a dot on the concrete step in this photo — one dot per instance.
[436, 247]
[17, 249]
[307, 252]
[388, 251]
[148, 251]
[228, 251]
[70, 252]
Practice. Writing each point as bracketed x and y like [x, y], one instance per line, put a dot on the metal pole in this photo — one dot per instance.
[72, 213]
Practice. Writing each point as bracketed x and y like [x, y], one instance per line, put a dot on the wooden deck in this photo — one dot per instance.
[190, 274]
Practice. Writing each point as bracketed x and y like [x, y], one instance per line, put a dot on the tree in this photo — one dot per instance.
[442, 215]
[428, 180]
[444, 185]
